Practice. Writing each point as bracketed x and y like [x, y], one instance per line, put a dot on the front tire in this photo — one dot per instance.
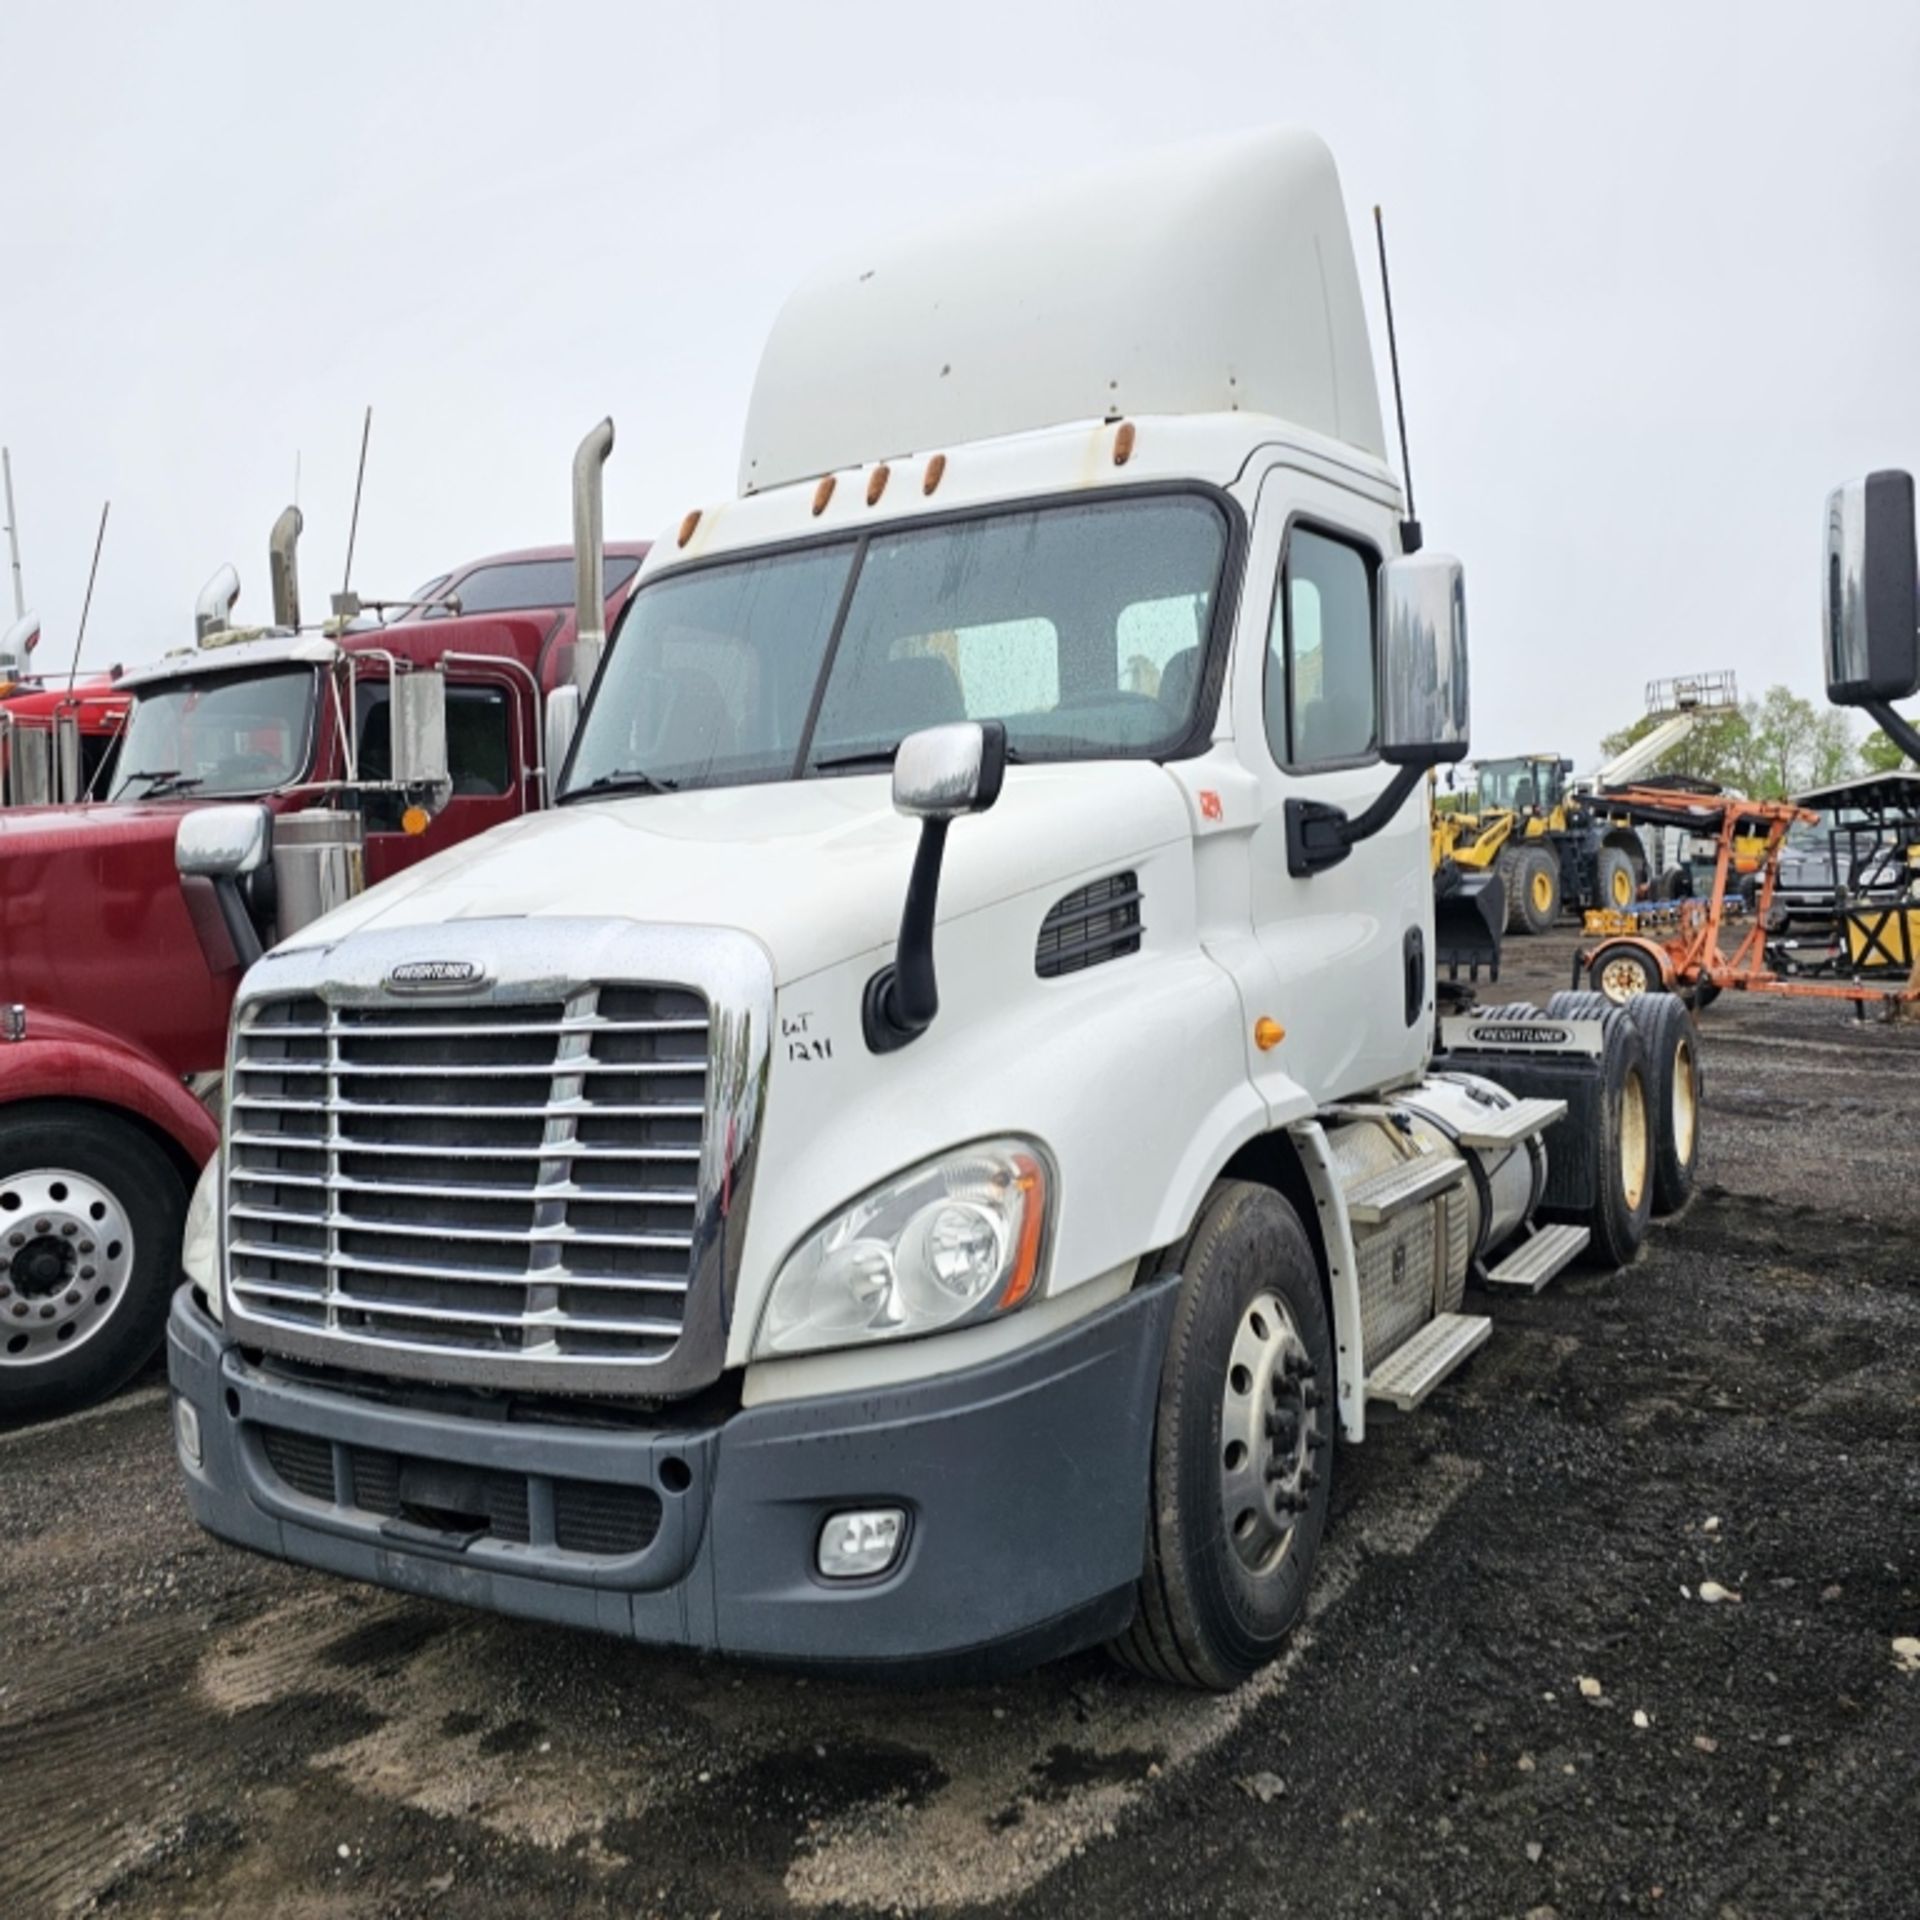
[1615, 879]
[1242, 1450]
[91, 1214]
[1539, 882]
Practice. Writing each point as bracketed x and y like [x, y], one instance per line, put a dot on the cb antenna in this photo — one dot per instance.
[1410, 536]
[359, 481]
[13, 534]
[86, 606]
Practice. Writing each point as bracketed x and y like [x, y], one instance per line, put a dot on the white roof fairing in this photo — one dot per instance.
[1211, 279]
[272, 650]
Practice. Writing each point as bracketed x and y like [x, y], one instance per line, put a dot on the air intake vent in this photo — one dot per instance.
[1094, 923]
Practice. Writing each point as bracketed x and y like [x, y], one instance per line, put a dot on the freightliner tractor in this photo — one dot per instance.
[918, 1158]
[117, 974]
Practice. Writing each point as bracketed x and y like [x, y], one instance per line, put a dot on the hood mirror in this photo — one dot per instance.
[218, 852]
[942, 772]
[938, 774]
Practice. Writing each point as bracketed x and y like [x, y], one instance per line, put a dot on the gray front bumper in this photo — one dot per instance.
[1025, 1482]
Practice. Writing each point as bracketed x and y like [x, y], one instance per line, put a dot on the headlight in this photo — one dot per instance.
[200, 1247]
[961, 1238]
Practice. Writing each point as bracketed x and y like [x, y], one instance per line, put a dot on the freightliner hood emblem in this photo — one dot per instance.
[424, 976]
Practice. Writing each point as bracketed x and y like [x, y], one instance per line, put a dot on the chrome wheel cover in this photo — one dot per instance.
[1270, 1432]
[66, 1257]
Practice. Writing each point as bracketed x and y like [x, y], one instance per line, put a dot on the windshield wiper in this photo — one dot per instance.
[879, 757]
[624, 780]
[160, 780]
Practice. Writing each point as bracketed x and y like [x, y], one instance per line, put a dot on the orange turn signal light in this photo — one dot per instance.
[1267, 1034]
[1032, 1182]
[416, 820]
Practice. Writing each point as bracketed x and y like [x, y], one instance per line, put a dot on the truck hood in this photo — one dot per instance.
[815, 870]
[25, 830]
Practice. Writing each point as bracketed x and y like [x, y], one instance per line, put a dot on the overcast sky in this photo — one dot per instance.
[1657, 270]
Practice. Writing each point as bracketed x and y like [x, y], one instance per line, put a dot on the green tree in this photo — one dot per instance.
[1778, 744]
[1794, 745]
[1878, 754]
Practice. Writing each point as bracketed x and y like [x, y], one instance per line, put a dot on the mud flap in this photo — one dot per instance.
[1539, 1058]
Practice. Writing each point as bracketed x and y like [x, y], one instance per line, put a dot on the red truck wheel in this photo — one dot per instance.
[91, 1214]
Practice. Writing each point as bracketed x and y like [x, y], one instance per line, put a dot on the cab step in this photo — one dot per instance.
[1381, 1195]
[1412, 1371]
[1508, 1126]
[1534, 1262]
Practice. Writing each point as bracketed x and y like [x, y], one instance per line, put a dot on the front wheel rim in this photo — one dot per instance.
[1542, 892]
[1622, 887]
[1269, 1434]
[66, 1258]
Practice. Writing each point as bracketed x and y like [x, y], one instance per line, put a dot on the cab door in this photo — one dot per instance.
[1350, 946]
[485, 745]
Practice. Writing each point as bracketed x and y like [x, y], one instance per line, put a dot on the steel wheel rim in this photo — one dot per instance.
[1685, 1104]
[1542, 890]
[1622, 887]
[1622, 979]
[1633, 1139]
[66, 1258]
[1269, 1434]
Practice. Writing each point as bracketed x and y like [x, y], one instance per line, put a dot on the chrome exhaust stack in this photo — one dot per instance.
[283, 568]
[213, 611]
[590, 554]
[16, 644]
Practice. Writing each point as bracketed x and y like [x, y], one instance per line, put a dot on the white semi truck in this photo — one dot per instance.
[919, 1157]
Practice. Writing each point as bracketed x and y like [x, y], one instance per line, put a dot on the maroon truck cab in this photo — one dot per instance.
[114, 993]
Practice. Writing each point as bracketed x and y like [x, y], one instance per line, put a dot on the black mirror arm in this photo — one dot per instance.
[1901, 731]
[902, 999]
[1320, 836]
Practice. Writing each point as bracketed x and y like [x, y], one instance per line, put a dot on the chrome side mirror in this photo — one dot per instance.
[216, 850]
[562, 721]
[1872, 592]
[222, 843]
[942, 772]
[419, 722]
[1423, 692]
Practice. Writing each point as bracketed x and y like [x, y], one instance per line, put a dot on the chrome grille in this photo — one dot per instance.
[518, 1180]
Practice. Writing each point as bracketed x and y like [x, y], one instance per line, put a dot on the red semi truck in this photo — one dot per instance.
[117, 973]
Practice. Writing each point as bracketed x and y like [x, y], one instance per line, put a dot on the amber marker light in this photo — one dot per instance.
[822, 494]
[1032, 1182]
[1267, 1034]
[416, 820]
[687, 526]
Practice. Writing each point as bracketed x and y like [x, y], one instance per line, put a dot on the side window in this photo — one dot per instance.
[1320, 696]
[479, 748]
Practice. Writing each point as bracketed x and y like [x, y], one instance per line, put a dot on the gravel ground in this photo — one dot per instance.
[1607, 1627]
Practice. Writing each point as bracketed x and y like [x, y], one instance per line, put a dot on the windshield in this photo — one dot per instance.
[517, 586]
[1517, 785]
[235, 735]
[1079, 626]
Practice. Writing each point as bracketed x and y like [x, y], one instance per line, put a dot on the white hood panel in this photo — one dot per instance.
[816, 870]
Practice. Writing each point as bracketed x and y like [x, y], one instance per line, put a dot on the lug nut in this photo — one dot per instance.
[1308, 1478]
[1310, 1395]
[68, 1229]
[86, 1246]
[73, 1299]
[43, 1226]
[86, 1273]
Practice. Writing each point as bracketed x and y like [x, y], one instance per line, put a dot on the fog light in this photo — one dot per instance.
[856, 1546]
[186, 1429]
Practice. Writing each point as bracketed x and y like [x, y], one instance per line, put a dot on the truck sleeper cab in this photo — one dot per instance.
[916, 1157]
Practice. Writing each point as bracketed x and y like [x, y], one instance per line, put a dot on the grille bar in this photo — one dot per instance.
[521, 1227]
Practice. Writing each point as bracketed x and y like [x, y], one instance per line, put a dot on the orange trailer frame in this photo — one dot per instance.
[1694, 956]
